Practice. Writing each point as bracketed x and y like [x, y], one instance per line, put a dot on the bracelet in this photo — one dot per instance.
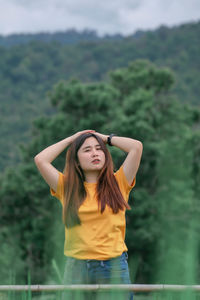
[109, 139]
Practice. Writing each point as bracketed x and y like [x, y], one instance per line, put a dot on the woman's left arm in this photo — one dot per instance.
[134, 149]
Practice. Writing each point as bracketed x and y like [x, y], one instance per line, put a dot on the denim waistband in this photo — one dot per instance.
[94, 262]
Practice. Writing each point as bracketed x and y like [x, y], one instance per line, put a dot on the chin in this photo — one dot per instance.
[97, 168]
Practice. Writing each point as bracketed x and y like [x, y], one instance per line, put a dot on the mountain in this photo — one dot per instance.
[30, 68]
[69, 37]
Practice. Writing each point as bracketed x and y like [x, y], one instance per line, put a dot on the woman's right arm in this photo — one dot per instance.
[44, 159]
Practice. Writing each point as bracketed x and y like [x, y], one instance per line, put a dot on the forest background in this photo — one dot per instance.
[145, 86]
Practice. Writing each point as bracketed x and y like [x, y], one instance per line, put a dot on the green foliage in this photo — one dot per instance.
[137, 103]
[144, 75]
[25, 222]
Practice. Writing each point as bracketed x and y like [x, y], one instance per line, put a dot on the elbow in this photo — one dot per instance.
[138, 149]
[37, 160]
[139, 146]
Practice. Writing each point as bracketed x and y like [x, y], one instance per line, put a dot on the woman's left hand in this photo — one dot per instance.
[102, 136]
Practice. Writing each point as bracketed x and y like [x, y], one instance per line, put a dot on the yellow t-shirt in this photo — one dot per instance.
[100, 236]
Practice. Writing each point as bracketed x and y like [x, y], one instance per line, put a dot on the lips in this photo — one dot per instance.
[96, 161]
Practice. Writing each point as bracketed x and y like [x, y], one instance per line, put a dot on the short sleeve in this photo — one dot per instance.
[124, 186]
[59, 193]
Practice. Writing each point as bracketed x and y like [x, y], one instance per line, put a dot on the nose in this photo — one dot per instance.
[94, 152]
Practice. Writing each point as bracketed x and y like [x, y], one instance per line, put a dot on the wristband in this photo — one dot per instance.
[109, 139]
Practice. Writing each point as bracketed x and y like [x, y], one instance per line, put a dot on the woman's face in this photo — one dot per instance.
[90, 155]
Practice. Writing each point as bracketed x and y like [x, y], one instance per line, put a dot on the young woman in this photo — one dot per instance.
[94, 201]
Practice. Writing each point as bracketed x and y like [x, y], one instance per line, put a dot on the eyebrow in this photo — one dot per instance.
[88, 147]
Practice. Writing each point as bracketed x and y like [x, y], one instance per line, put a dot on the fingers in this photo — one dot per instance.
[87, 130]
[102, 136]
[81, 132]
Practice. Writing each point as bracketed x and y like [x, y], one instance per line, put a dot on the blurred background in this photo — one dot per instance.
[128, 67]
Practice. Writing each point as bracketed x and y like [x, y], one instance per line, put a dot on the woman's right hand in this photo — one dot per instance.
[76, 135]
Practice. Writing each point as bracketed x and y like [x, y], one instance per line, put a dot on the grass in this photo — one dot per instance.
[164, 295]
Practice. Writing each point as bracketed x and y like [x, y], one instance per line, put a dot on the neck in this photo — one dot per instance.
[91, 177]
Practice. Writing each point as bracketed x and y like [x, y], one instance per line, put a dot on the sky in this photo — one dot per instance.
[103, 16]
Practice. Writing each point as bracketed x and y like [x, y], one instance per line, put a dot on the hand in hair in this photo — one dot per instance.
[102, 136]
[74, 136]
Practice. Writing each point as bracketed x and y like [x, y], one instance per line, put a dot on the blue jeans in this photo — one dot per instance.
[90, 271]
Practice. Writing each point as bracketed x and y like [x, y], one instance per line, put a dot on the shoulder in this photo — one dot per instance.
[59, 193]
[123, 182]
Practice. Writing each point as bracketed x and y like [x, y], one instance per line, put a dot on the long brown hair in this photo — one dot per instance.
[107, 189]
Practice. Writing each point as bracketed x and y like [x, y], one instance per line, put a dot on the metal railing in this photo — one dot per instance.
[97, 287]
